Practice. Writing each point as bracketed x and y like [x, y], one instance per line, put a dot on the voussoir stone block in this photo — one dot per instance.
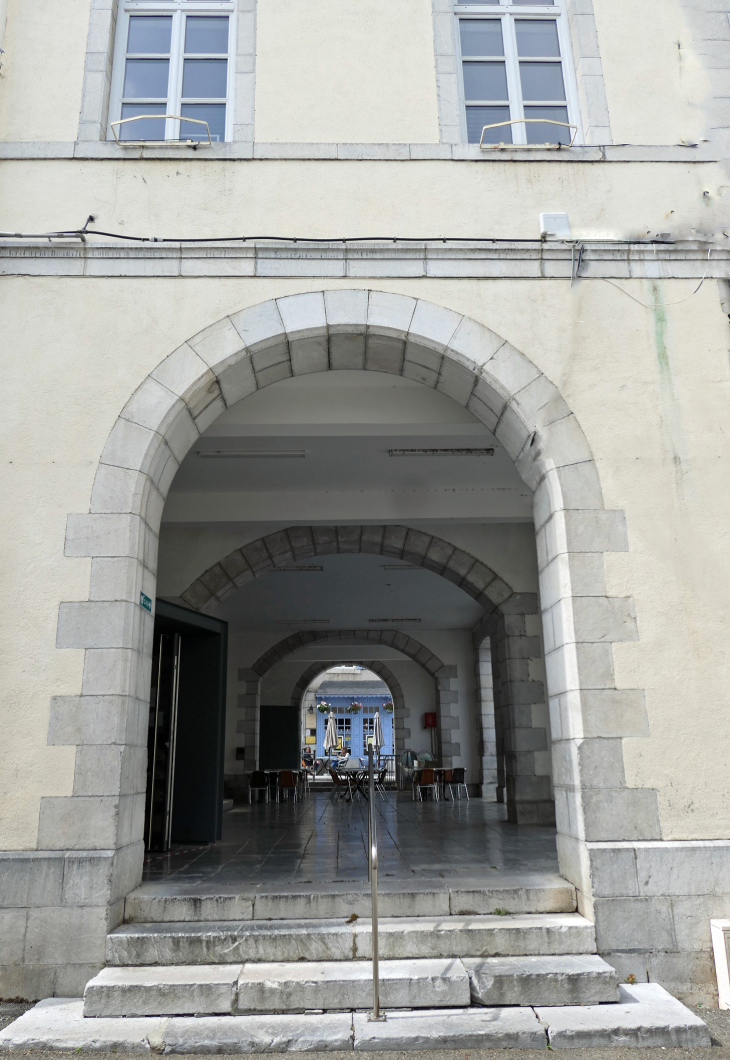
[303, 315]
[433, 326]
[260, 326]
[219, 345]
[389, 314]
[346, 311]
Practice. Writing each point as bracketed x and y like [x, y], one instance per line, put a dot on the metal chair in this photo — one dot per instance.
[379, 780]
[288, 781]
[339, 783]
[457, 779]
[427, 781]
[258, 781]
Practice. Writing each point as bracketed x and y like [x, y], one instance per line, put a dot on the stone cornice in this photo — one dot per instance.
[358, 260]
[247, 151]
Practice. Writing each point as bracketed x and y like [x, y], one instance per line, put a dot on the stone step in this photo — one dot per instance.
[332, 986]
[646, 1015]
[572, 979]
[524, 893]
[338, 940]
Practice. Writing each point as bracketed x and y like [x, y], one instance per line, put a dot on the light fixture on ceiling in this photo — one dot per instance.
[392, 621]
[244, 454]
[442, 452]
[295, 570]
[302, 622]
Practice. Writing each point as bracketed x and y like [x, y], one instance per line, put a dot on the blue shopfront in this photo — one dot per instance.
[356, 723]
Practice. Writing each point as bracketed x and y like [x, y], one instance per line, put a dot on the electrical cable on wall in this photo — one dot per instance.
[82, 233]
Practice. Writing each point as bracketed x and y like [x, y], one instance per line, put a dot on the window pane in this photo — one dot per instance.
[481, 36]
[485, 81]
[146, 78]
[210, 35]
[149, 34]
[534, 3]
[477, 3]
[145, 128]
[537, 37]
[478, 117]
[548, 134]
[542, 81]
[213, 113]
[206, 79]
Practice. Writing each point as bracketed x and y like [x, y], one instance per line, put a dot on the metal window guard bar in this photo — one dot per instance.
[375, 1016]
[158, 143]
[528, 121]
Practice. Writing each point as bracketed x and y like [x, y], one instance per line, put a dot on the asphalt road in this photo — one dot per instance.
[718, 1022]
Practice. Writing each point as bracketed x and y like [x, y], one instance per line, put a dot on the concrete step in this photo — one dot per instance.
[339, 940]
[331, 986]
[645, 1016]
[523, 893]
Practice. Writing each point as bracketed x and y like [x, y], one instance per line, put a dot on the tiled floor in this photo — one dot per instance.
[319, 841]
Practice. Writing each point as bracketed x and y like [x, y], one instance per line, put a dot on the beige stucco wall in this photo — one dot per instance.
[358, 72]
[370, 198]
[43, 69]
[655, 84]
[652, 400]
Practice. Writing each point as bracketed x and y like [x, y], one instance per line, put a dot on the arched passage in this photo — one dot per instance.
[316, 332]
[398, 542]
[444, 678]
[528, 793]
[377, 667]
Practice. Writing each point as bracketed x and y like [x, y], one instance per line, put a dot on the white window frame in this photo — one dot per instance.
[178, 9]
[507, 12]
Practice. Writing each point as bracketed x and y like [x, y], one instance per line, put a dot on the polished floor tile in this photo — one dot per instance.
[318, 840]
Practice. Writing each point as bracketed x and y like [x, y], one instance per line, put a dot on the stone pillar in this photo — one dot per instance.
[486, 730]
[249, 700]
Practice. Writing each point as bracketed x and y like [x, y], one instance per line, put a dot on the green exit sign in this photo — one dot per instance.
[145, 602]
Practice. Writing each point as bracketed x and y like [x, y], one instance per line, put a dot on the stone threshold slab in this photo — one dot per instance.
[646, 1016]
[528, 893]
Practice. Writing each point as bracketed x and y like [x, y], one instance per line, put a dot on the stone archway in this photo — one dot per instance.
[317, 332]
[444, 677]
[529, 795]
[384, 672]
[268, 553]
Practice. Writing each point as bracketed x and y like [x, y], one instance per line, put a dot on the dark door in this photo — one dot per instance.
[186, 728]
[279, 737]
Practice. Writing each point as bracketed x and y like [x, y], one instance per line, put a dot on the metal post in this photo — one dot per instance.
[375, 1015]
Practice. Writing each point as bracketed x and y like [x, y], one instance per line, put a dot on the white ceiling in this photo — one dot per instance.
[345, 422]
[350, 590]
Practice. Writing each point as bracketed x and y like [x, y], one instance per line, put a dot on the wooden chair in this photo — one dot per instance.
[427, 781]
[258, 781]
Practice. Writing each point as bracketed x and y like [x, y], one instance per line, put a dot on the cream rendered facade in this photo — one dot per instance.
[598, 365]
